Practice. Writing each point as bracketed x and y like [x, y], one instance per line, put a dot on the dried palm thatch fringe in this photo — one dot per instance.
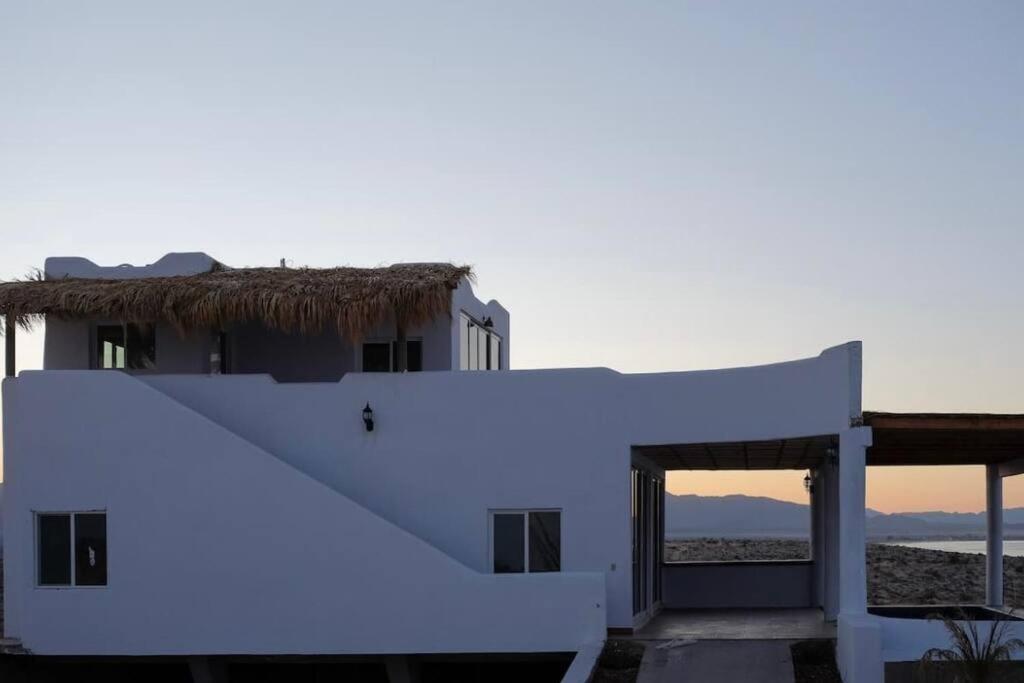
[306, 300]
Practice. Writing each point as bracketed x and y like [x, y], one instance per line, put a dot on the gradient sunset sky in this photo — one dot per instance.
[645, 186]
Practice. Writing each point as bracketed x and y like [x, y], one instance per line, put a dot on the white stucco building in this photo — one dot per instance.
[295, 462]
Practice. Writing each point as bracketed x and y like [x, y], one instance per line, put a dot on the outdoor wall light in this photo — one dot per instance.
[808, 483]
[488, 322]
[368, 417]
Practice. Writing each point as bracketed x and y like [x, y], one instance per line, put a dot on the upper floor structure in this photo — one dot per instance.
[189, 314]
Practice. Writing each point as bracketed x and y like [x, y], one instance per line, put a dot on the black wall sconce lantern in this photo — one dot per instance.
[488, 322]
[368, 417]
[808, 483]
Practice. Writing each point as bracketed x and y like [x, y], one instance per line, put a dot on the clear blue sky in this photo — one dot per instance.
[648, 186]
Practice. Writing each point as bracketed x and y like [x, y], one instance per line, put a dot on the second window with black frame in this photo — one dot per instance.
[71, 549]
[526, 541]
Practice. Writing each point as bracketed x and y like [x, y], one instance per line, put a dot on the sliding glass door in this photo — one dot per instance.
[647, 496]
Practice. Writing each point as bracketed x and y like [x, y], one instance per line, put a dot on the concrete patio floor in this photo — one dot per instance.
[737, 624]
[711, 661]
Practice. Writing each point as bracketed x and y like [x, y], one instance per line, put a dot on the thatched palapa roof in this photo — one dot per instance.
[305, 300]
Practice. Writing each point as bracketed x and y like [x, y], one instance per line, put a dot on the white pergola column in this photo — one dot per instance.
[994, 538]
[853, 581]
[830, 534]
[817, 538]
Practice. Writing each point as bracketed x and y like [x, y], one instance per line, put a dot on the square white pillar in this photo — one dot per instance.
[830, 535]
[818, 537]
[994, 537]
[853, 582]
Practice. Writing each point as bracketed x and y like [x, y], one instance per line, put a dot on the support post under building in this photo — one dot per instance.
[10, 325]
[994, 538]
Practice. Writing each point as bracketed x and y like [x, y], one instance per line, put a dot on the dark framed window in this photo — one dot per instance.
[383, 356]
[131, 346]
[141, 346]
[110, 347]
[526, 541]
[545, 541]
[494, 355]
[377, 357]
[480, 346]
[91, 549]
[474, 343]
[509, 549]
[483, 340]
[219, 364]
[72, 548]
[413, 355]
[54, 550]
[464, 330]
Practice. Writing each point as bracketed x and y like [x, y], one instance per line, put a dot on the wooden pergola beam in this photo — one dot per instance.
[711, 456]
[1011, 468]
[970, 422]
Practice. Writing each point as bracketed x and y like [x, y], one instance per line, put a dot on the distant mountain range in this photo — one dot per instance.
[750, 516]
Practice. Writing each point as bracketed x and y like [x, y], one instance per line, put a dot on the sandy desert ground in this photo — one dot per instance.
[896, 574]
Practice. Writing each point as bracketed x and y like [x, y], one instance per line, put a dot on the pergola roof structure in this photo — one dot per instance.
[945, 438]
[898, 439]
[772, 454]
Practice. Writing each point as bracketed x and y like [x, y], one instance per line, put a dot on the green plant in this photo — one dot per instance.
[973, 654]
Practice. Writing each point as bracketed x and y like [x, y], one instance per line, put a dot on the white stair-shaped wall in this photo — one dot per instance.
[218, 547]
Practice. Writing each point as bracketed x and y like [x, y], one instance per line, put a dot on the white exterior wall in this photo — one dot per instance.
[215, 546]
[189, 499]
[906, 640]
[450, 446]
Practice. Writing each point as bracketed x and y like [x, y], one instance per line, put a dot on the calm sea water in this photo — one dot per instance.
[1012, 548]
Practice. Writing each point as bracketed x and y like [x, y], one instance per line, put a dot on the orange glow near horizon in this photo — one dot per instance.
[889, 489]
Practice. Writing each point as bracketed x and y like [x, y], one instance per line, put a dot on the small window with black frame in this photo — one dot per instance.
[413, 355]
[131, 346]
[382, 356]
[527, 541]
[377, 357]
[71, 548]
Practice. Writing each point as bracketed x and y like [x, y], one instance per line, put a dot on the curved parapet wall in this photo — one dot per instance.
[169, 265]
[812, 396]
[465, 300]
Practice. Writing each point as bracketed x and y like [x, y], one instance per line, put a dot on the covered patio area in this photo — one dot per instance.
[825, 595]
[753, 599]
[935, 439]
